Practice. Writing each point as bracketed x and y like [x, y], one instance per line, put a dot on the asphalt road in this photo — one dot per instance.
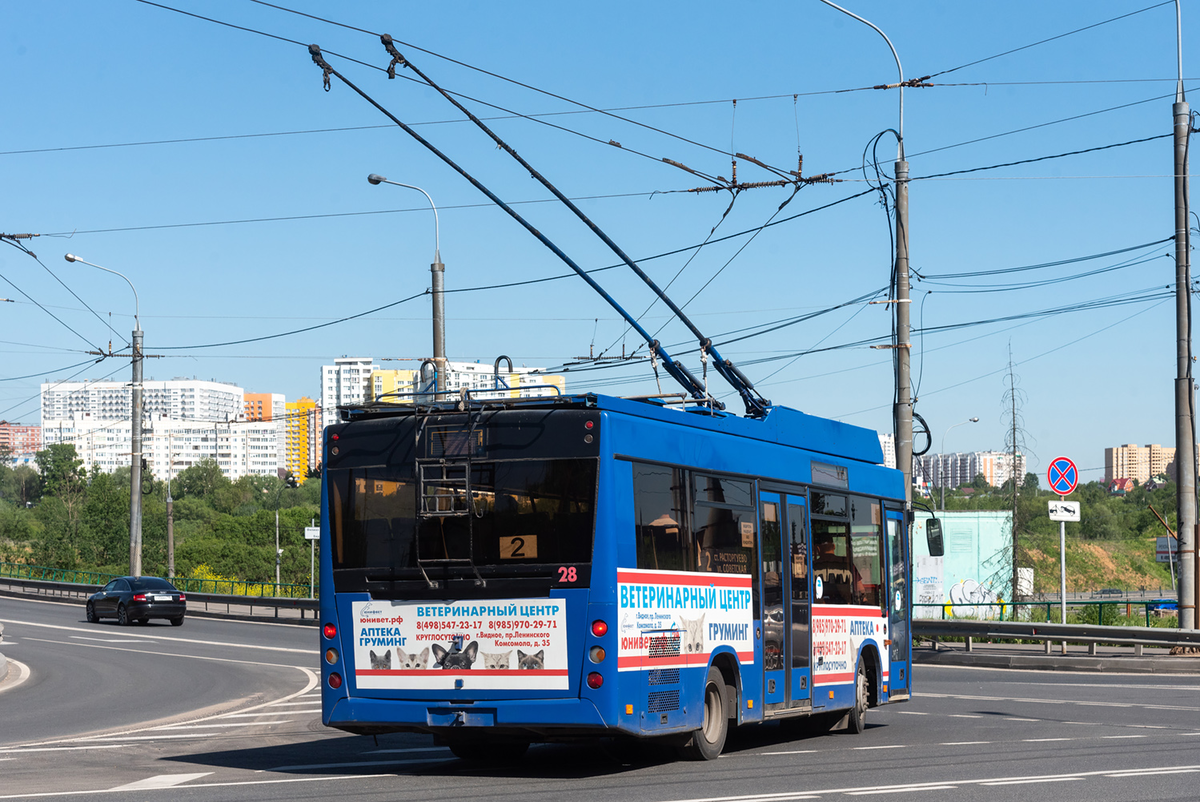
[220, 710]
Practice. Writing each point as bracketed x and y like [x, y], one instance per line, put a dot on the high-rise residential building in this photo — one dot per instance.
[264, 406]
[956, 470]
[269, 407]
[240, 447]
[402, 386]
[16, 440]
[1141, 463]
[303, 447]
[887, 442]
[178, 399]
[347, 381]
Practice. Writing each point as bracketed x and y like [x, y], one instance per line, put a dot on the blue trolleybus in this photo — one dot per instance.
[496, 573]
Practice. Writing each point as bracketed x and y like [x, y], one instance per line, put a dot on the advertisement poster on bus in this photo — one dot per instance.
[496, 644]
[675, 619]
[838, 632]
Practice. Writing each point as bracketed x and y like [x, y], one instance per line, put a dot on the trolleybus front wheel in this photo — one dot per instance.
[707, 742]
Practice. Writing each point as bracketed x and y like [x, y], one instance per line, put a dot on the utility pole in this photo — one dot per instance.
[1185, 440]
[135, 489]
[902, 409]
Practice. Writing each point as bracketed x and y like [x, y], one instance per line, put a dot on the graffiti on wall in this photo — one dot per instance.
[972, 600]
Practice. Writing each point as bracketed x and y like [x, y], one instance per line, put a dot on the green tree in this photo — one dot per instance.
[202, 480]
[105, 535]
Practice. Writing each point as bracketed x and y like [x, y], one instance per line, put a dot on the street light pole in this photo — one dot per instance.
[288, 482]
[942, 458]
[135, 478]
[902, 410]
[438, 271]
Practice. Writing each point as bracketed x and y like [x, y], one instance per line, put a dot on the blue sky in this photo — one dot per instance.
[250, 214]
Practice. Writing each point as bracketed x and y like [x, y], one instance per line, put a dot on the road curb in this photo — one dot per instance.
[1117, 664]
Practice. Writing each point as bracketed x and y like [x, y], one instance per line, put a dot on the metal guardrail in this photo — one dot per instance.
[1025, 611]
[79, 591]
[235, 587]
[1091, 634]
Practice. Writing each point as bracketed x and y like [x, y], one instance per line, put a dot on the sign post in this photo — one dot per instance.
[1064, 478]
[312, 534]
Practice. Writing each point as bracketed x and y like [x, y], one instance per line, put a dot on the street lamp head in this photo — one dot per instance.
[70, 257]
[376, 179]
[974, 420]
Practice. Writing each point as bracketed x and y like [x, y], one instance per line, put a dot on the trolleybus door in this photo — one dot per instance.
[899, 604]
[785, 613]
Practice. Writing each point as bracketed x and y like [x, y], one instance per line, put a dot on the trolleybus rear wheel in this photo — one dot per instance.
[856, 719]
[707, 742]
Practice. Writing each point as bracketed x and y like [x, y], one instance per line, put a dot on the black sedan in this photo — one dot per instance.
[137, 598]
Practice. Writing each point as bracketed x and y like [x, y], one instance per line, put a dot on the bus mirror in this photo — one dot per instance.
[933, 537]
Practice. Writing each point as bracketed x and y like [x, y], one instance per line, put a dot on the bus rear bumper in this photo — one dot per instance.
[532, 718]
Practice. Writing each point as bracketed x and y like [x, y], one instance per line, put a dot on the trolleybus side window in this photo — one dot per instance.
[866, 522]
[831, 549]
[724, 526]
[664, 537]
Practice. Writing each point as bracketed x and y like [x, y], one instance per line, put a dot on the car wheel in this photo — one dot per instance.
[707, 742]
[177, 621]
[123, 616]
[856, 720]
[91, 613]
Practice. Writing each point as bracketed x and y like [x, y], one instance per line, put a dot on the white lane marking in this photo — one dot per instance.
[273, 781]
[292, 704]
[793, 752]
[892, 791]
[164, 638]
[231, 724]
[1035, 780]
[252, 715]
[161, 781]
[1115, 737]
[962, 715]
[911, 713]
[357, 764]
[888, 746]
[19, 749]
[1051, 701]
[1044, 740]
[114, 640]
[1152, 772]
[964, 743]
[1020, 719]
[153, 737]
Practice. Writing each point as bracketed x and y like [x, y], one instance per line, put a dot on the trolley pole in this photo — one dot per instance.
[1185, 440]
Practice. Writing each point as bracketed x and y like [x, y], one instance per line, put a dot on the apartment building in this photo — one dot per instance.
[956, 470]
[484, 382]
[178, 399]
[346, 381]
[302, 423]
[1140, 463]
[240, 448]
[16, 439]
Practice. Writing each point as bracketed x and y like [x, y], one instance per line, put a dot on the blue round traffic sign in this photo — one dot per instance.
[1063, 476]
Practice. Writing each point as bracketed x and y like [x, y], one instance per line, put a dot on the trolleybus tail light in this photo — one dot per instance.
[594, 680]
[588, 425]
[330, 631]
[331, 656]
[596, 654]
[599, 628]
[335, 680]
